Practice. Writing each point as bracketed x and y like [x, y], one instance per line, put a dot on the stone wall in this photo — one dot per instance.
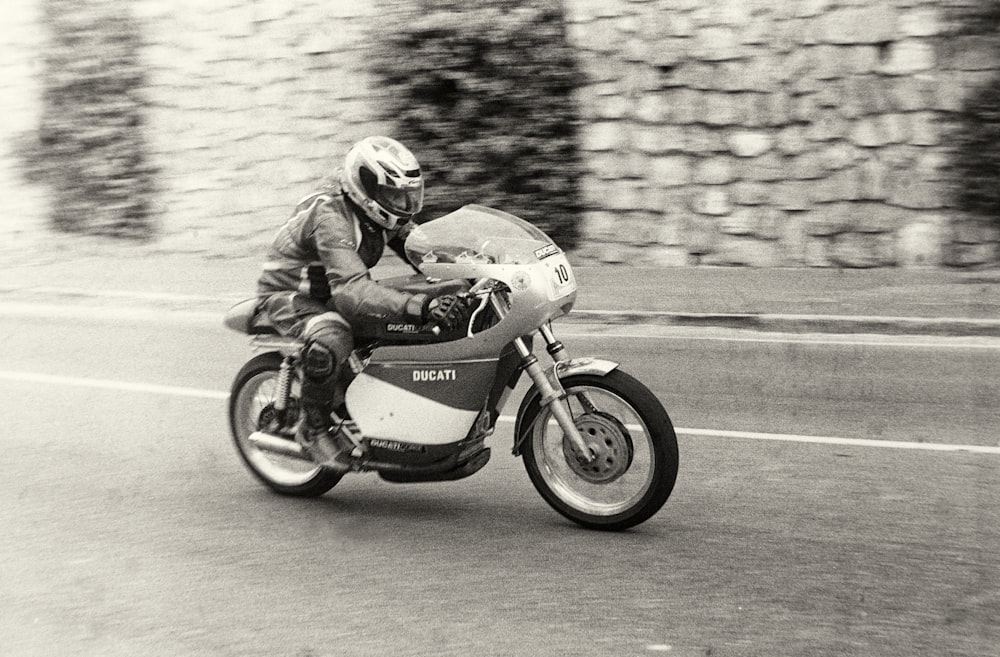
[745, 132]
[752, 132]
[252, 103]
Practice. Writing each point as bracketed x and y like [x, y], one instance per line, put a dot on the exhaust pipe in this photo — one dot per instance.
[275, 445]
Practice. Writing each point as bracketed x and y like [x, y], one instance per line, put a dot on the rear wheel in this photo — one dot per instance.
[251, 408]
[630, 437]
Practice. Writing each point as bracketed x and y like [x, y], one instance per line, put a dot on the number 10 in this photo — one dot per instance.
[562, 274]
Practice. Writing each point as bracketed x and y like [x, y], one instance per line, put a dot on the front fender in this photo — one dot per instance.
[566, 368]
[592, 366]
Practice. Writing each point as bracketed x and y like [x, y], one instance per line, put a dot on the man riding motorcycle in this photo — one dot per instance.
[316, 284]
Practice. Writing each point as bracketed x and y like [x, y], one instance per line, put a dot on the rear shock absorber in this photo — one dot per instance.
[284, 385]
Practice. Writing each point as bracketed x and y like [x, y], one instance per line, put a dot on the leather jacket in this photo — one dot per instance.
[325, 251]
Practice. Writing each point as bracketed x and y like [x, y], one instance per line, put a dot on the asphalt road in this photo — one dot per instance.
[131, 527]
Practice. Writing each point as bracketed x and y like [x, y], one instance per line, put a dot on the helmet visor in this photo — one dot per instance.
[407, 200]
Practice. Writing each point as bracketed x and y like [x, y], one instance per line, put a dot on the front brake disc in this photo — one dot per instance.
[610, 444]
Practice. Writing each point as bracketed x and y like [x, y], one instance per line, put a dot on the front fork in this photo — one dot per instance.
[547, 383]
[558, 353]
[551, 390]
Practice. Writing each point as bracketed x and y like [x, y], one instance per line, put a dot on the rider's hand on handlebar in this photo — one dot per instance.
[447, 311]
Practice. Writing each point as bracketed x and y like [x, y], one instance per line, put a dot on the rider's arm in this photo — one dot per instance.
[353, 293]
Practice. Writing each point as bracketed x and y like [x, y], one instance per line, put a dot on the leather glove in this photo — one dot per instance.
[447, 311]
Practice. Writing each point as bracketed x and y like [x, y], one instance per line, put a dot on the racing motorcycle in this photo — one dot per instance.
[419, 402]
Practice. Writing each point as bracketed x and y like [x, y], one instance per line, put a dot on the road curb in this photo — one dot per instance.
[957, 327]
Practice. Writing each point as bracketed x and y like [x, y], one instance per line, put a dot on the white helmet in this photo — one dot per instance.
[383, 177]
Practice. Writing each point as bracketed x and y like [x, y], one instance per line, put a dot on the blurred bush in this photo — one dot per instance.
[90, 148]
[976, 138]
[482, 92]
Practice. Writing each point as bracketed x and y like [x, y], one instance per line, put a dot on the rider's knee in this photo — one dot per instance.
[331, 330]
[319, 362]
[329, 341]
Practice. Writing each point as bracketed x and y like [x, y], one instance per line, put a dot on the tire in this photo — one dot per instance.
[252, 392]
[631, 434]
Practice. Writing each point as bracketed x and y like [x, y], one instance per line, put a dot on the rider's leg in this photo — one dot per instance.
[328, 345]
[329, 342]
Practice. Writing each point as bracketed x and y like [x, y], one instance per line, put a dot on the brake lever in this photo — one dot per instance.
[482, 304]
[483, 291]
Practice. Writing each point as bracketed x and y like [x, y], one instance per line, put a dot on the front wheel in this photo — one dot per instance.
[251, 408]
[631, 438]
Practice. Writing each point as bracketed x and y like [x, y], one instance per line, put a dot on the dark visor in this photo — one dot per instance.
[406, 200]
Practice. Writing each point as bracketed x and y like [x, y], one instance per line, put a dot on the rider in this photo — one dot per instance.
[316, 282]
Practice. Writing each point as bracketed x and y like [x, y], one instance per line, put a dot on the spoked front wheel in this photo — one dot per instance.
[252, 408]
[630, 437]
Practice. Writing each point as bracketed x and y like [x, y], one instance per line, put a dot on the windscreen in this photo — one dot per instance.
[476, 233]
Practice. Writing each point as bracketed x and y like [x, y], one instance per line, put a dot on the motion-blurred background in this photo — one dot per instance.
[821, 133]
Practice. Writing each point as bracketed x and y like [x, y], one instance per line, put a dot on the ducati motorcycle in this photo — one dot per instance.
[420, 402]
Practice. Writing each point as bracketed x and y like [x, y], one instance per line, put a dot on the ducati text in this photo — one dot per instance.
[402, 328]
[546, 251]
[394, 445]
[434, 375]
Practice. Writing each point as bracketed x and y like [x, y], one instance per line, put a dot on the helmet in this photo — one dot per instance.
[383, 177]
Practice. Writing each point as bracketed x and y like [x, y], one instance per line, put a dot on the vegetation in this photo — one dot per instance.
[482, 91]
[976, 138]
[90, 146]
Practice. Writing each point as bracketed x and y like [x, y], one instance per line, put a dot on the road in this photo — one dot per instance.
[132, 528]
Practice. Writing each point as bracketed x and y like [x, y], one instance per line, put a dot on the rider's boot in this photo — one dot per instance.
[325, 442]
[321, 394]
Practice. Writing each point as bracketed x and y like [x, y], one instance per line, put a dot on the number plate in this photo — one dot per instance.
[563, 282]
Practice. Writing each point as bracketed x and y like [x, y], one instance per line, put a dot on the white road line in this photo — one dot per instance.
[108, 384]
[178, 391]
[764, 337]
[828, 440]
[131, 294]
[111, 314]
[815, 440]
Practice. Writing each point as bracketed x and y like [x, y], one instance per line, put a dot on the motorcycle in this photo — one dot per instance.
[419, 402]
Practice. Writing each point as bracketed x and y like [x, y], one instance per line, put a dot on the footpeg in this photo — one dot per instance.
[338, 448]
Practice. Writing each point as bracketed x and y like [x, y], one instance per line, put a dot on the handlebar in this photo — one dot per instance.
[481, 292]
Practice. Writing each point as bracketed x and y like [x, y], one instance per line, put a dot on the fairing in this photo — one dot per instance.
[476, 242]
